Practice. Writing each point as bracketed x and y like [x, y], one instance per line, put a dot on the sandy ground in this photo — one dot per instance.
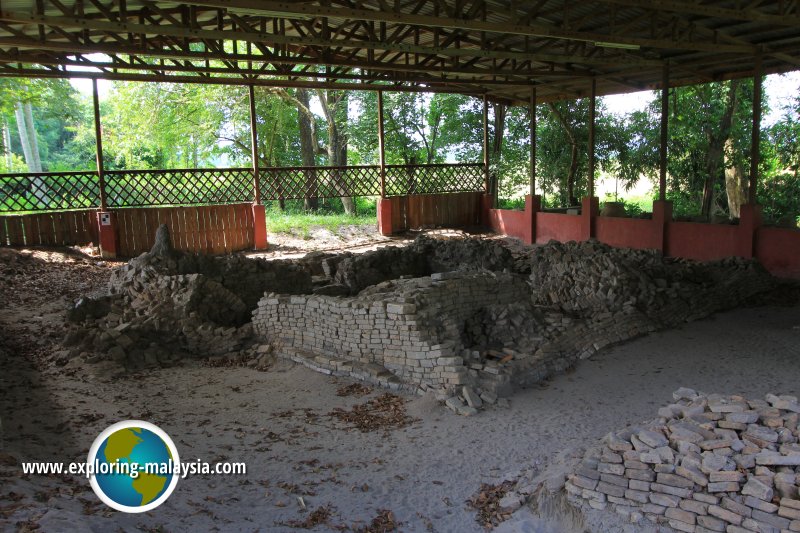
[277, 423]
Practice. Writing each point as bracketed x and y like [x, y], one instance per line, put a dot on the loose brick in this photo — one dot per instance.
[608, 488]
[637, 495]
[665, 500]
[681, 526]
[653, 508]
[771, 519]
[692, 474]
[641, 475]
[674, 491]
[635, 484]
[711, 523]
[757, 489]
[584, 482]
[675, 481]
[698, 508]
[687, 517]
[724, 514]
[736, 507]
[615, 480]
[609, 468]
[761, 505]
[724, 486]
[788, 512]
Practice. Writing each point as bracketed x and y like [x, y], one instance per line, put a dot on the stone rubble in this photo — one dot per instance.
[166, 305]
[708, 463]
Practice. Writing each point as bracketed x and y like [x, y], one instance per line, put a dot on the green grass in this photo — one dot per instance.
[295, 220]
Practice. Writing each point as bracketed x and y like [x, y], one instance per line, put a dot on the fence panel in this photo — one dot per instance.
[283, 183]
[48, 191]
[140, 188]
[434, 179]
[213, 229]
[64, 228]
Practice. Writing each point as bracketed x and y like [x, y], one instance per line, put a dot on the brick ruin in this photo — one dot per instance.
[463, 318]
[470, 322]
[709, 463]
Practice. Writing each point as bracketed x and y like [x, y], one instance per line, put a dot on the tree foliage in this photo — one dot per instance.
[162, 125]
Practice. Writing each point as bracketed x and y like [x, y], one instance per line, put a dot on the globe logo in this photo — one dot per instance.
[134, 466]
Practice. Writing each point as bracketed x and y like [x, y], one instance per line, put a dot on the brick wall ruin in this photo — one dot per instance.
[411, 327]
[464, 318]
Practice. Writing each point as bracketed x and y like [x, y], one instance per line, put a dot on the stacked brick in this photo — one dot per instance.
[410, 327]
[710, 463]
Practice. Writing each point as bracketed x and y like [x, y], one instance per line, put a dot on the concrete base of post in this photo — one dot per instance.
[260, 227]
[107, 234]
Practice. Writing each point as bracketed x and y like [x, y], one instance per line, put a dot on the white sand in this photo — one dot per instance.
[423, 473]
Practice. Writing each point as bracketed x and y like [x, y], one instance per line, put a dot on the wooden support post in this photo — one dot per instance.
[254, 151]
[106, 220]
[259, 211]
[533, 141]
[98, 136]
[381, 147]
[755, 143]
[662, 179]
[486, 145]
[592, 105]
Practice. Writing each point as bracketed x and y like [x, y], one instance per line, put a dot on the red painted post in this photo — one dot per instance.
[662, 216]
[260, 227]
[385, 216]
[749, 221]
[590, 208]
[107, 234]
[533, 204]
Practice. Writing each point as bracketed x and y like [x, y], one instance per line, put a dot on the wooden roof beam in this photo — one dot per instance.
[181, 32]
[696, 8]
[294, 9]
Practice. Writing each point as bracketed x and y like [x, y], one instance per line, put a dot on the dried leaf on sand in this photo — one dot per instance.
[385, 412]
[487, 503]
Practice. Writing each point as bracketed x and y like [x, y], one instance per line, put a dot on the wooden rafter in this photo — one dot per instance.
[499, 48]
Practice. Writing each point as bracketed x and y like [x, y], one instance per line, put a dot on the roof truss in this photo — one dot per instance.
[500, 48]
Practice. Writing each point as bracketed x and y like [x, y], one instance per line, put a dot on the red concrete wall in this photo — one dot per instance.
[778, 249]
[509, 222]
[628, 232]
[558, 226]
[702, 242]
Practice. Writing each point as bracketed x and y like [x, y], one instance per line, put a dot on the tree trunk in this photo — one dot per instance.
[573, 164]
[307, 150]
[500, 112]
[735, 184]
[7, 146]
[30, 126]
[30, 148]
[334, 105]
[716, 150]
[573, 172]
[24, 139]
